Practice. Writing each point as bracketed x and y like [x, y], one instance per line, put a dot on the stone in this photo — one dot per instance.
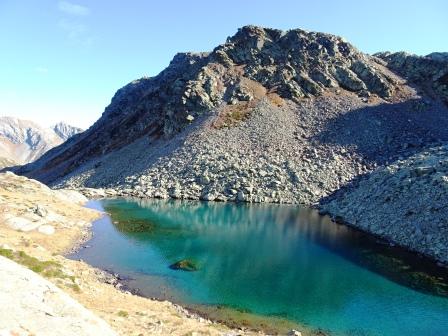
[348, 79]
[209, 196]
[22, 224]
[46, 229]
[420, 171]
[40, 211]
[204, 179]
[38, 307]
[240, 196]
[5, 247]
[184, 265]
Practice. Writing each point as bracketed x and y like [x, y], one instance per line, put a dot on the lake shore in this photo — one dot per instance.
[28, 201]
[126, 313]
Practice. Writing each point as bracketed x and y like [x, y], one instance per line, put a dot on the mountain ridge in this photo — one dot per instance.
[193, 83]
[23, 141]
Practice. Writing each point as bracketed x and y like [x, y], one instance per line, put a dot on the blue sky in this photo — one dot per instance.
[63, 60]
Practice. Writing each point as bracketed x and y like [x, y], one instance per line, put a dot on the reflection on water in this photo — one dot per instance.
[274, 260]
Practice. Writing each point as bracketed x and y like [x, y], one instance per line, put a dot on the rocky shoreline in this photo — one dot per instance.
[27, 205]
[405, 202]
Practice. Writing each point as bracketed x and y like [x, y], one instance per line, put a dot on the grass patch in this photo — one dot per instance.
[123, 313]
[232, 114]
[36, 265]
[275, 99]
[48, 268]
[74, 287]
[6, 253]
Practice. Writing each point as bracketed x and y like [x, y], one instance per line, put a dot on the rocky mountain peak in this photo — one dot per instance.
[65, 131]
[255, 65]
[23, 141]
[256, 61]
[298, 63]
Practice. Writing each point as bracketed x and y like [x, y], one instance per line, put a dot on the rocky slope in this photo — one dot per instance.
[5, 162]
[41, 307]
[406, 201]
[268, 116]
[23, 141]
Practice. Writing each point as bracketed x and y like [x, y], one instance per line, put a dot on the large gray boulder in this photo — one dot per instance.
[31, 305]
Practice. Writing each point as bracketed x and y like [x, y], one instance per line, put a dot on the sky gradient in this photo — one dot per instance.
[64, 60]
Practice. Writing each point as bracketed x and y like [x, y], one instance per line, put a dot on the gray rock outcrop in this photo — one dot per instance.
[31, 305]
[429, 71]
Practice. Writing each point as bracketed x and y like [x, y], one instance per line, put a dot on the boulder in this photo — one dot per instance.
[184, 265]
[32, 305]
[22, 224]
[46, 229]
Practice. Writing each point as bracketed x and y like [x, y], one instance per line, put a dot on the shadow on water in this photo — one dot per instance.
[284, 263]
[395, 263]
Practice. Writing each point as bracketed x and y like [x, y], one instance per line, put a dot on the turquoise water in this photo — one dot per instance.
[273, 260]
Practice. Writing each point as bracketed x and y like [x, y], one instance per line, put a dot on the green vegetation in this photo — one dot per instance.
[6, 253]
[134, 225]
[48, 269]
[123, 313]
[74, 287]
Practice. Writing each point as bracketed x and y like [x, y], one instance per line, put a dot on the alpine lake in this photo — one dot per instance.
[268, 266]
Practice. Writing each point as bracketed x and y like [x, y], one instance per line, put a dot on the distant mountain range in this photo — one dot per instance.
[23, 141]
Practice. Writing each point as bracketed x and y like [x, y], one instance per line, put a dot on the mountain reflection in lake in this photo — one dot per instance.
[272, 260]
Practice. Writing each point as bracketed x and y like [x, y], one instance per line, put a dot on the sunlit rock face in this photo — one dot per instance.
[430, 70]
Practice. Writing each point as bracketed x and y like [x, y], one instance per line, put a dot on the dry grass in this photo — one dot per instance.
[123, 313]
[230, 115]
[48, 268]
[275, 99]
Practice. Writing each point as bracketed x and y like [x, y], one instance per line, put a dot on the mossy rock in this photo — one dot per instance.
[184, 265]
[134, 225]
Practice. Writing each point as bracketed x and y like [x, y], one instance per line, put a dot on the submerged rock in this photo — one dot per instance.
[184, 265]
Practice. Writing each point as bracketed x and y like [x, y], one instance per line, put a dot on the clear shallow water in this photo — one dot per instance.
[274, 260]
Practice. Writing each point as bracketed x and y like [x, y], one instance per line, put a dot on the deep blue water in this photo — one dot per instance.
[275, 260]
